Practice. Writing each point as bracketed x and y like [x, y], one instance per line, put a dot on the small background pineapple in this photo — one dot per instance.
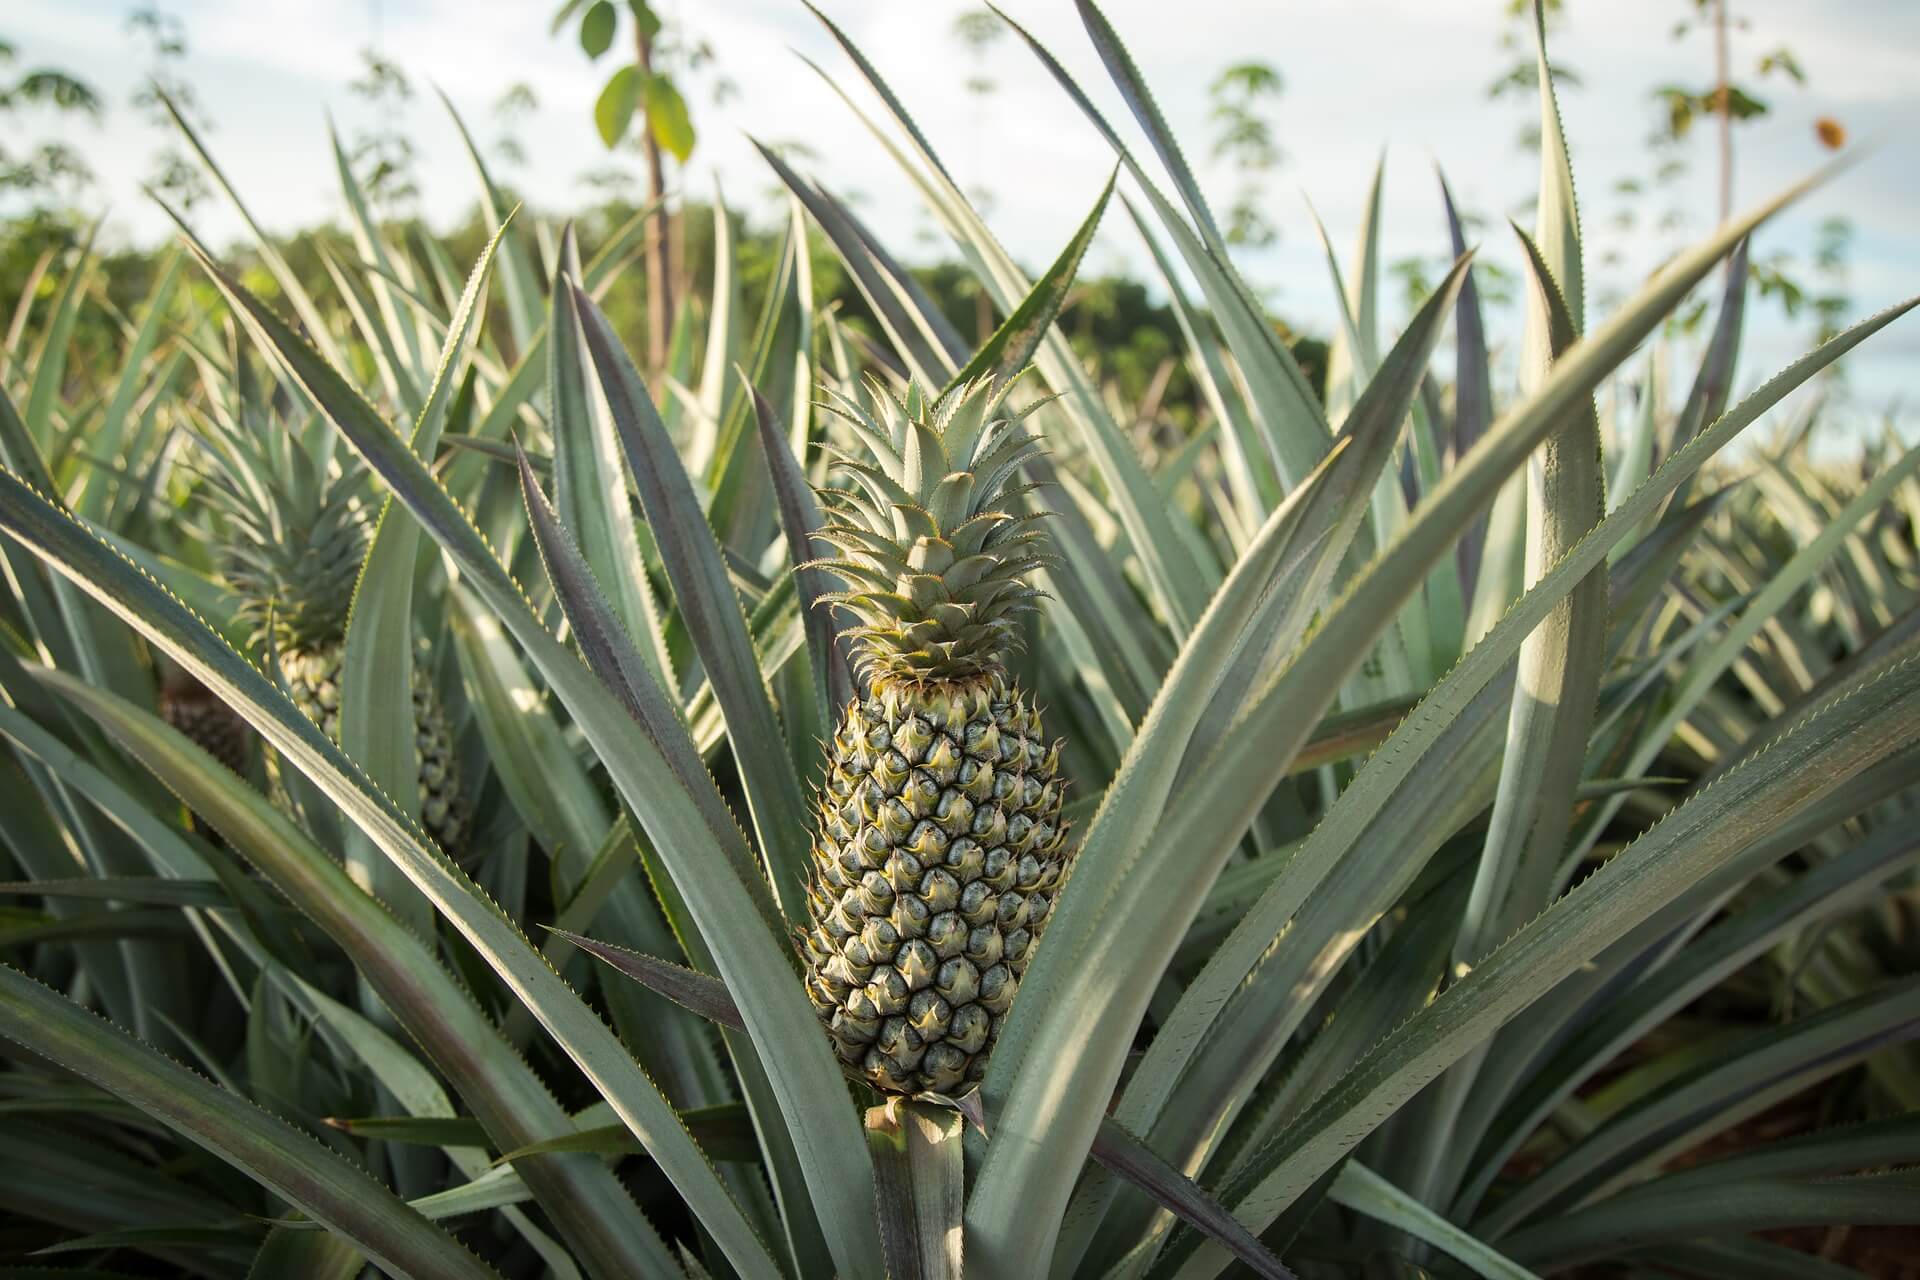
[939, 849]
[293, 535]
[216, 728]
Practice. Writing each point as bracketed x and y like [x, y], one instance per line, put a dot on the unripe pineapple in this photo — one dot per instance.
[294, 535]
[939, 846]
[214, 727]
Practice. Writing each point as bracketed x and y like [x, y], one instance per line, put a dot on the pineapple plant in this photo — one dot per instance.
[292, 536]
[939, 844]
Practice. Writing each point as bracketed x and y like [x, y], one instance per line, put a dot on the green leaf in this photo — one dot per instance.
[526, 748]
[1178, 587]
[1365, 836]
[613, 109]
[921, 335]
[799, 519]
[516, 269]
[1838, 884]
[392, 335]
[596, 28]
[1161, 884]
[319, 332]
[377, 667]
[710, 609]
[1364, 1191]
[1127, 1157]
[590, 480]
[1278, 392]
[111, 436]
[50, 366]
[426, 1131]
[152, 1238]
[585, 1202]
[750, 956]
[294, 1166]
[1558, 676]
[667, 117]
[1811, 759]
[187, 641]
[1354, 349]
[1549, 719]
[1716, 1088]
[1006, 353]
[1682, 1214]
[724, 1131]
[702, 993]
[309, 1254]
[1050, 1036]
[150, 890]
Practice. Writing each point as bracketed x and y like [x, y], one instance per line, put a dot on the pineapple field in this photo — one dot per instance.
[510, 766]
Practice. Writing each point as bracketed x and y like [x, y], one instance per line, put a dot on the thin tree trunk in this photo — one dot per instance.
[655, 244]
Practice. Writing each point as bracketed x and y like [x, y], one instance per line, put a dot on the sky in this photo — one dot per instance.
[1403, 79]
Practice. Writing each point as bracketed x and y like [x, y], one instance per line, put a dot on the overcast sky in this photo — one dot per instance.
[1407, 75]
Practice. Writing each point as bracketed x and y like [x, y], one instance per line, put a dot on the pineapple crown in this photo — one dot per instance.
[933, 560]
[292, 511]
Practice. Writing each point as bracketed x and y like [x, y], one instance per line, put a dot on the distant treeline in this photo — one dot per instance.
[1131, 343]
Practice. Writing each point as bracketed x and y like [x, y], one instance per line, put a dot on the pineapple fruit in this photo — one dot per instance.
[294, 536]
[939, 848]
[209, 723]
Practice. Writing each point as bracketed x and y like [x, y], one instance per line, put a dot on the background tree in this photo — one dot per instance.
[174, 176]
[1243, 138]
[642, 90]
[511, 111]
[977, 30]
[48, 173]
[383, 154]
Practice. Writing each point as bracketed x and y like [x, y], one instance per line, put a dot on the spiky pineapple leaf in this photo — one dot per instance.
[590, 480]
[377, 669]
[1835, 885]
[1006, 353]
[148, 890]
[1250, 452]
[1398, 783]
[1178, 586]
[1715, 1087]
[50, 364]
[413, 984]
[295, 1166]
[1279, 392]
[800, 519]
[1688, 1213]
[1119, 1152]
[163, 621]
[1308, 533]
[710, 609]
[1238, 774]
[108, 440]
[1364, 1191]
[1292, 552]
[316, 1255]
[1853, 732]
[1555, 692]
[921, 336]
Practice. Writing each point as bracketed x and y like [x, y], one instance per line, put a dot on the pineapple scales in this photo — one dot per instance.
[294, 535]
[939, 847]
